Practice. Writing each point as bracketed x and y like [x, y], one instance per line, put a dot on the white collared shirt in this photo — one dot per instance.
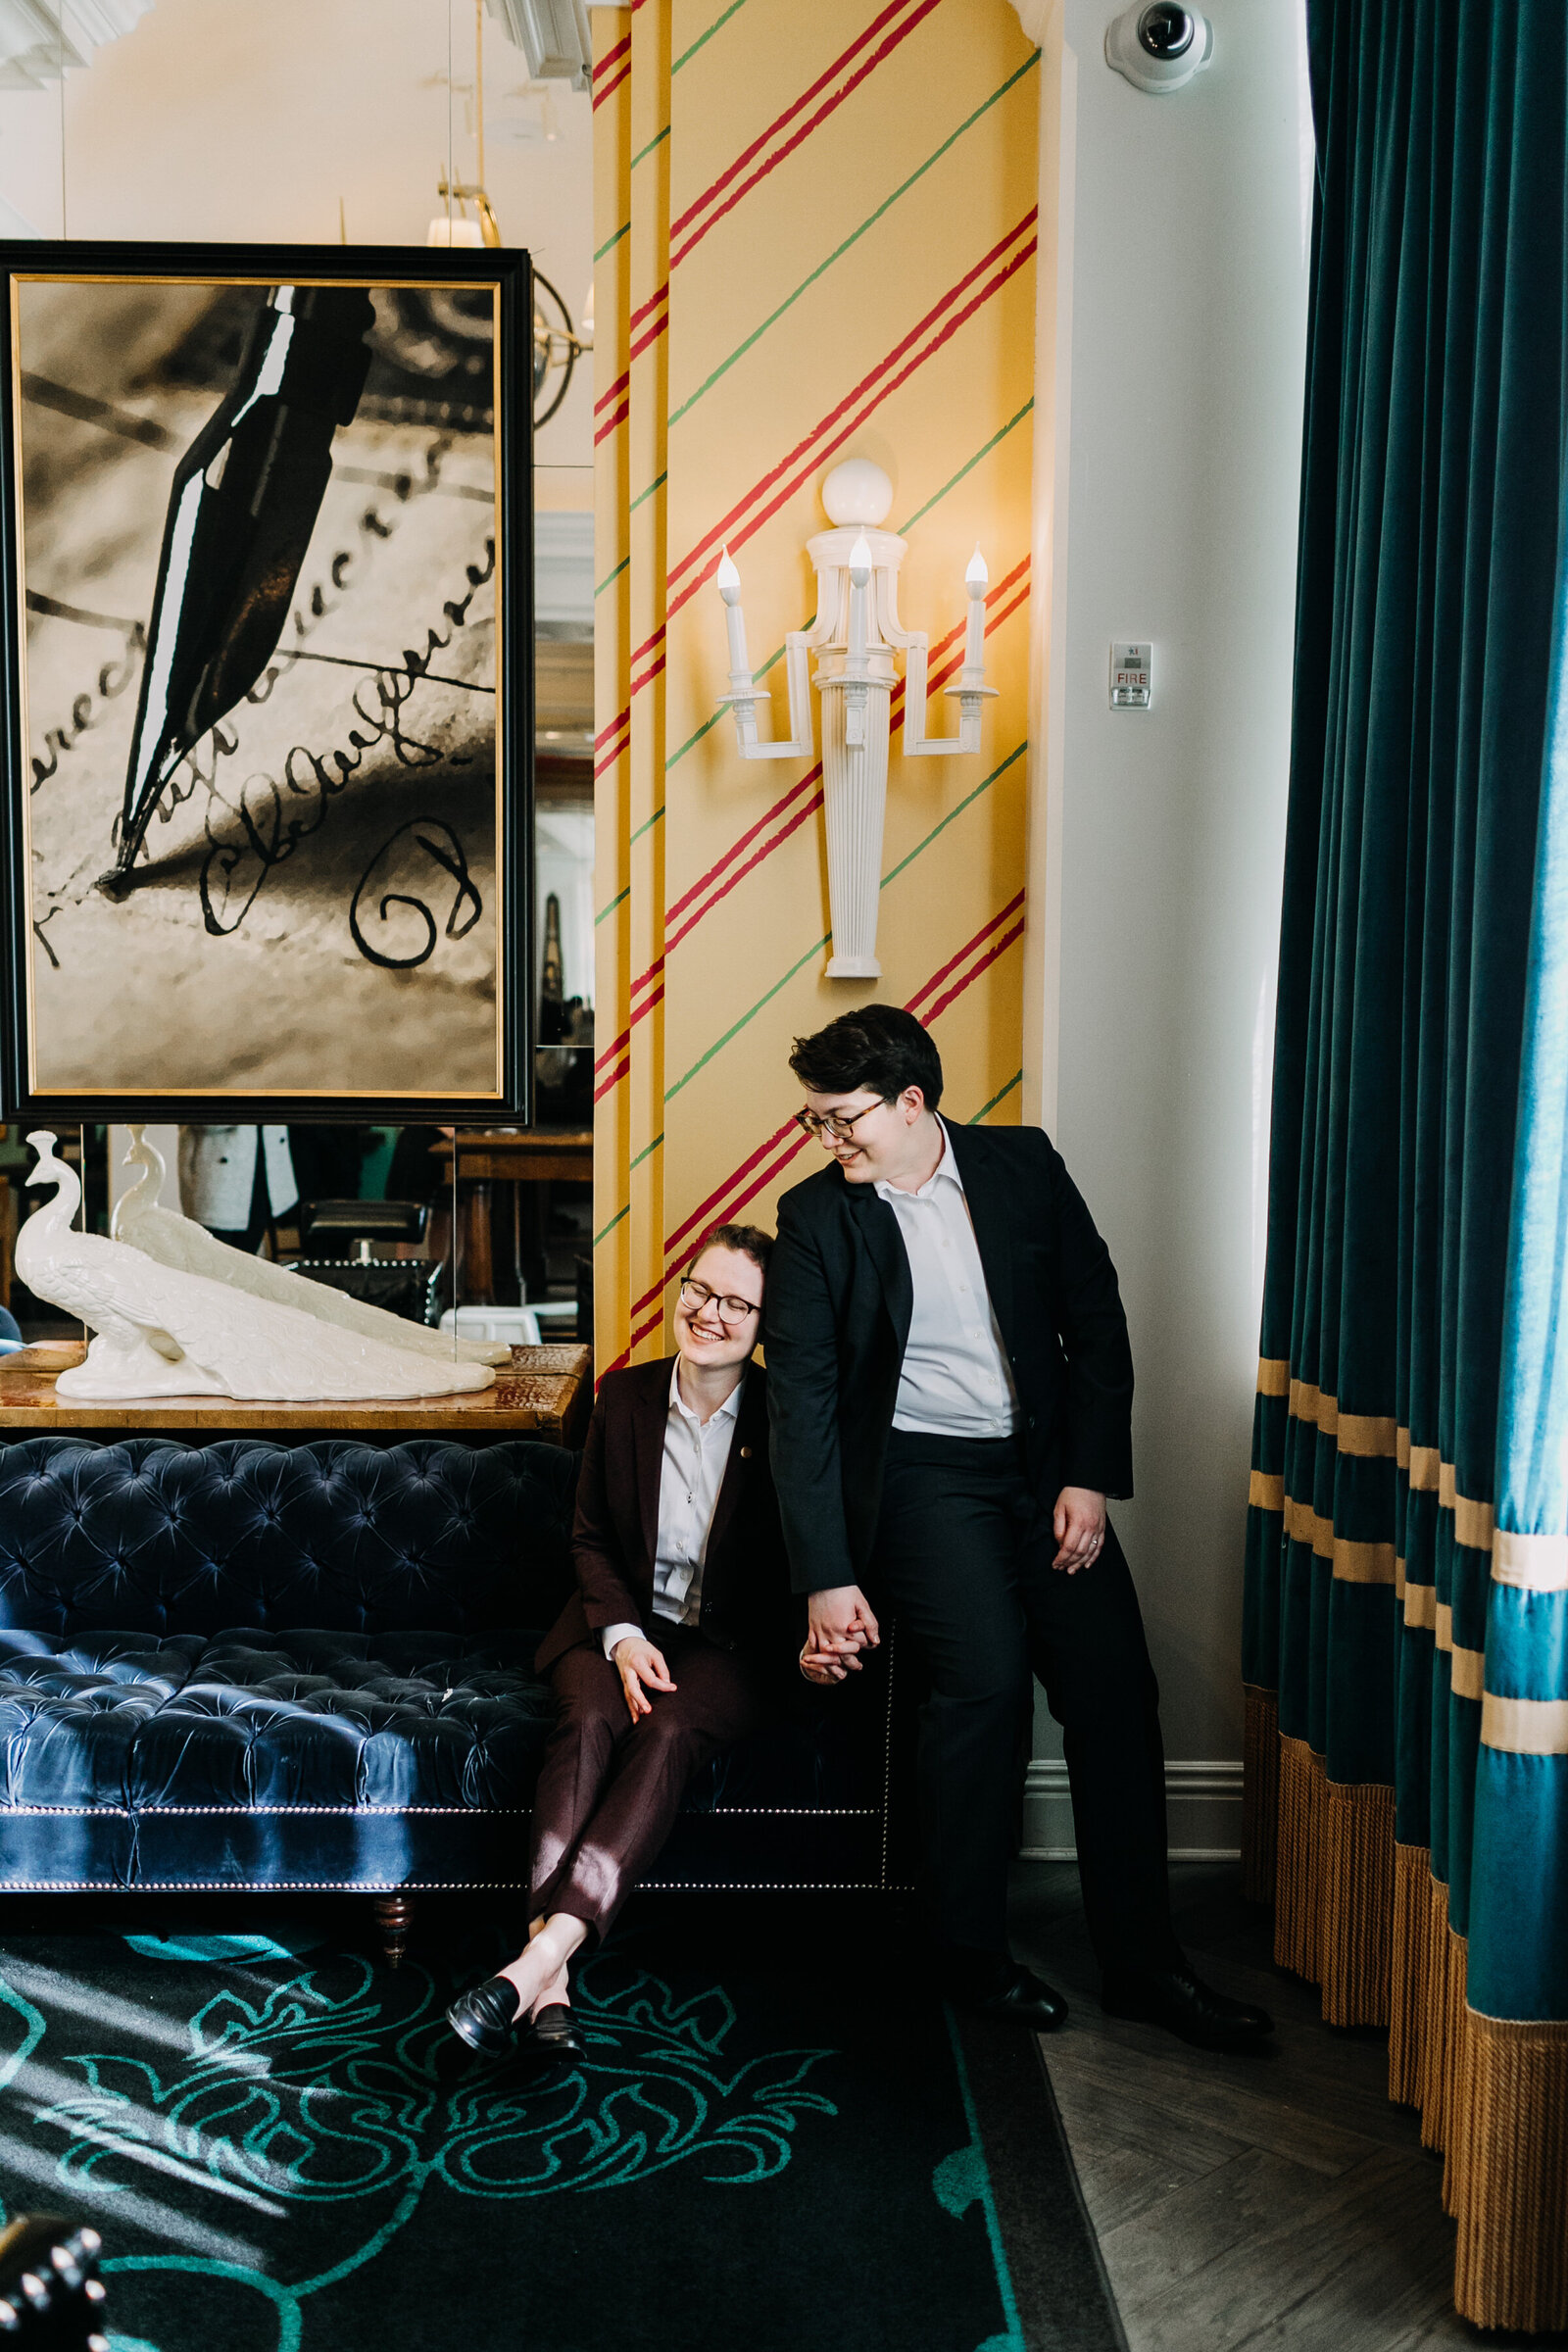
[695, 1457]
[954, 1381]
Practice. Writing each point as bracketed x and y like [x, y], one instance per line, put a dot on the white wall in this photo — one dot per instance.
[249, 120]
[1173, 514]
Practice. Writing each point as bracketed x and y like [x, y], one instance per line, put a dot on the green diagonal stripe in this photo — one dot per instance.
[649, 1149]
[719, 1043]
[968, 801]
[687, 55]
[643, 151]
[648, 493]
[610, 243]
[611, 575]
[709, 724]
[648, 824]
[619, 899]
[606, 1230]
[1015, 1080]
[853, 237]
[905, 527]
[722, 1042]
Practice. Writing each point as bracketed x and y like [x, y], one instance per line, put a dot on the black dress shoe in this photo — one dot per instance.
[554, 2037]
[486, 2018]
[1020, 1998]
[1181, 2002]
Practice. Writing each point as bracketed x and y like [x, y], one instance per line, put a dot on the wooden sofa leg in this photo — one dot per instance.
[394, 1915]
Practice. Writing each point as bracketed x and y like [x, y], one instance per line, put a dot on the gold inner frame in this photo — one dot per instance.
[188, 277]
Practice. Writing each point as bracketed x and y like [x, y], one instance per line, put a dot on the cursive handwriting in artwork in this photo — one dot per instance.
[403, 950]
[113, 679]
[236, 866]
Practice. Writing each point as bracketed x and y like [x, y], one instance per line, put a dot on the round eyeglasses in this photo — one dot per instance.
[833, 1124]
[695, 1296]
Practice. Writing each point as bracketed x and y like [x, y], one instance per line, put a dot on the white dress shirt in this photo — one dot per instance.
[695, 1457]
[954, 1381]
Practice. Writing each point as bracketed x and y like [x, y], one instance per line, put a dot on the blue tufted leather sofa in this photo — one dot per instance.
[248, 1665]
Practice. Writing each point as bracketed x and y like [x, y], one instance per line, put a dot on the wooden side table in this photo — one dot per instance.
[488, 1157]
[546, 1394]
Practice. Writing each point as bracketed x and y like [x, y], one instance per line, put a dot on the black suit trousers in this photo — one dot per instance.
[963, 1560]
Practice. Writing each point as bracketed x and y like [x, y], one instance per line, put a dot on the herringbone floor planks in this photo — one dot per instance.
[1270, 2204]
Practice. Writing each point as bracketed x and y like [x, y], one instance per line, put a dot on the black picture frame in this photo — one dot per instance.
[431, 275]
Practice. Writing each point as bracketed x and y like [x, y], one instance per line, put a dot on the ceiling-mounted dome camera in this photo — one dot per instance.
[1159, 47]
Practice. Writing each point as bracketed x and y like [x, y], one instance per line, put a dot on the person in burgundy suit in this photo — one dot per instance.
[661, 1658]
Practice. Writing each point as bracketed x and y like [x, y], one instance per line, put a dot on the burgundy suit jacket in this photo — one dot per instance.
[747, 1602]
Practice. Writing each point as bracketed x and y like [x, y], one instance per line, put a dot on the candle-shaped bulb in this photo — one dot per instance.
[729, 581]
[976, 574]
[860, 562]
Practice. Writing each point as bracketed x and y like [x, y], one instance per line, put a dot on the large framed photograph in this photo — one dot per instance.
[267, 714]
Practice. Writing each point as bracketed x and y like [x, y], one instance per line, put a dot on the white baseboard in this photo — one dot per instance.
[1203, 1802]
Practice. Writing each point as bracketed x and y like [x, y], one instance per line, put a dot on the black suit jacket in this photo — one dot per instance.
[746, 1588]
[839, 1303]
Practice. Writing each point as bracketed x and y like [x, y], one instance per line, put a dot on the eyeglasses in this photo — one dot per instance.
[695, 1296]
[833, 1123]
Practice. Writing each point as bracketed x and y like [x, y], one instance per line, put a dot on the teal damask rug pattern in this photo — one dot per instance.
[286, 2150]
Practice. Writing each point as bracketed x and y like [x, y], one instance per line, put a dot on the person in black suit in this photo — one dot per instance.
[660, 1657]
[951, 1394]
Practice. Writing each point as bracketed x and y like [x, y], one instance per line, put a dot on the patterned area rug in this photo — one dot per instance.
[286, 2150]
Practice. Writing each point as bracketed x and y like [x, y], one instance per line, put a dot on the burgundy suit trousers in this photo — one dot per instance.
[608, 1788]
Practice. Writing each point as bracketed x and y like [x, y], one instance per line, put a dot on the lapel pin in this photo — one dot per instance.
[746, 1453]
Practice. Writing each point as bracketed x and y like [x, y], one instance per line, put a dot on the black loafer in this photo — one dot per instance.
[486, 2018]
[554, 2037]
[1181, 2002]
[1021, 1999]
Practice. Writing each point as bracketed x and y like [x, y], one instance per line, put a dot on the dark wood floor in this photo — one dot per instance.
[1268, 2204]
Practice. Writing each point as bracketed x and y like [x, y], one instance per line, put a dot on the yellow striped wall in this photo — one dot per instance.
[814, 238]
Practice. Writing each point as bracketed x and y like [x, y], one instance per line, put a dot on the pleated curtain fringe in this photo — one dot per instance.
[1362, 1917]
[1333, 1886]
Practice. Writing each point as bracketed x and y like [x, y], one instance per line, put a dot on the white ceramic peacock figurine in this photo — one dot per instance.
[140, 1219]
[163, 1332]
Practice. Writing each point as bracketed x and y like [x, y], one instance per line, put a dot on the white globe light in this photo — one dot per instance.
[858, 491]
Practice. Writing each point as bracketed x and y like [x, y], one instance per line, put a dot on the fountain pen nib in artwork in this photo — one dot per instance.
[245, 498]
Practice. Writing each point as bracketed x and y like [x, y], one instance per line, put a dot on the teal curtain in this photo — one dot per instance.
[1412, 1662]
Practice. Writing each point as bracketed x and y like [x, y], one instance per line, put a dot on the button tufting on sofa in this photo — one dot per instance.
[249, 1664]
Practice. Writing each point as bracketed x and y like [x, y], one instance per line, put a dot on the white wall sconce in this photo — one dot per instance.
[854, 636]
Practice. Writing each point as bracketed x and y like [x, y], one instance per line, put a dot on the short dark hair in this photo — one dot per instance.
[750, 1239]
[878, 1046]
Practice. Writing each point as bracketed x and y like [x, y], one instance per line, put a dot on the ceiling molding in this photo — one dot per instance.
[552, 36]
[40, 39]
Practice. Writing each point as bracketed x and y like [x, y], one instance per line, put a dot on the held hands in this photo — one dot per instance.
[639, 1663]
[841, 1625]
[1079, 1527]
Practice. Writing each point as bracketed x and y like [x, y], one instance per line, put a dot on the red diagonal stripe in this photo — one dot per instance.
[968, 949]
[766, 850]
[615, 392]
[829, 107]
[646, 340]
[610, 424]
[613, 85]
[645, 310]
[839, 423]
[610, 1051]
[736, 847]
[608, 1085]
[615, 726]
[840, 63]
[648, 676]
[611, 55]
[958, 986]
[705, 1208]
